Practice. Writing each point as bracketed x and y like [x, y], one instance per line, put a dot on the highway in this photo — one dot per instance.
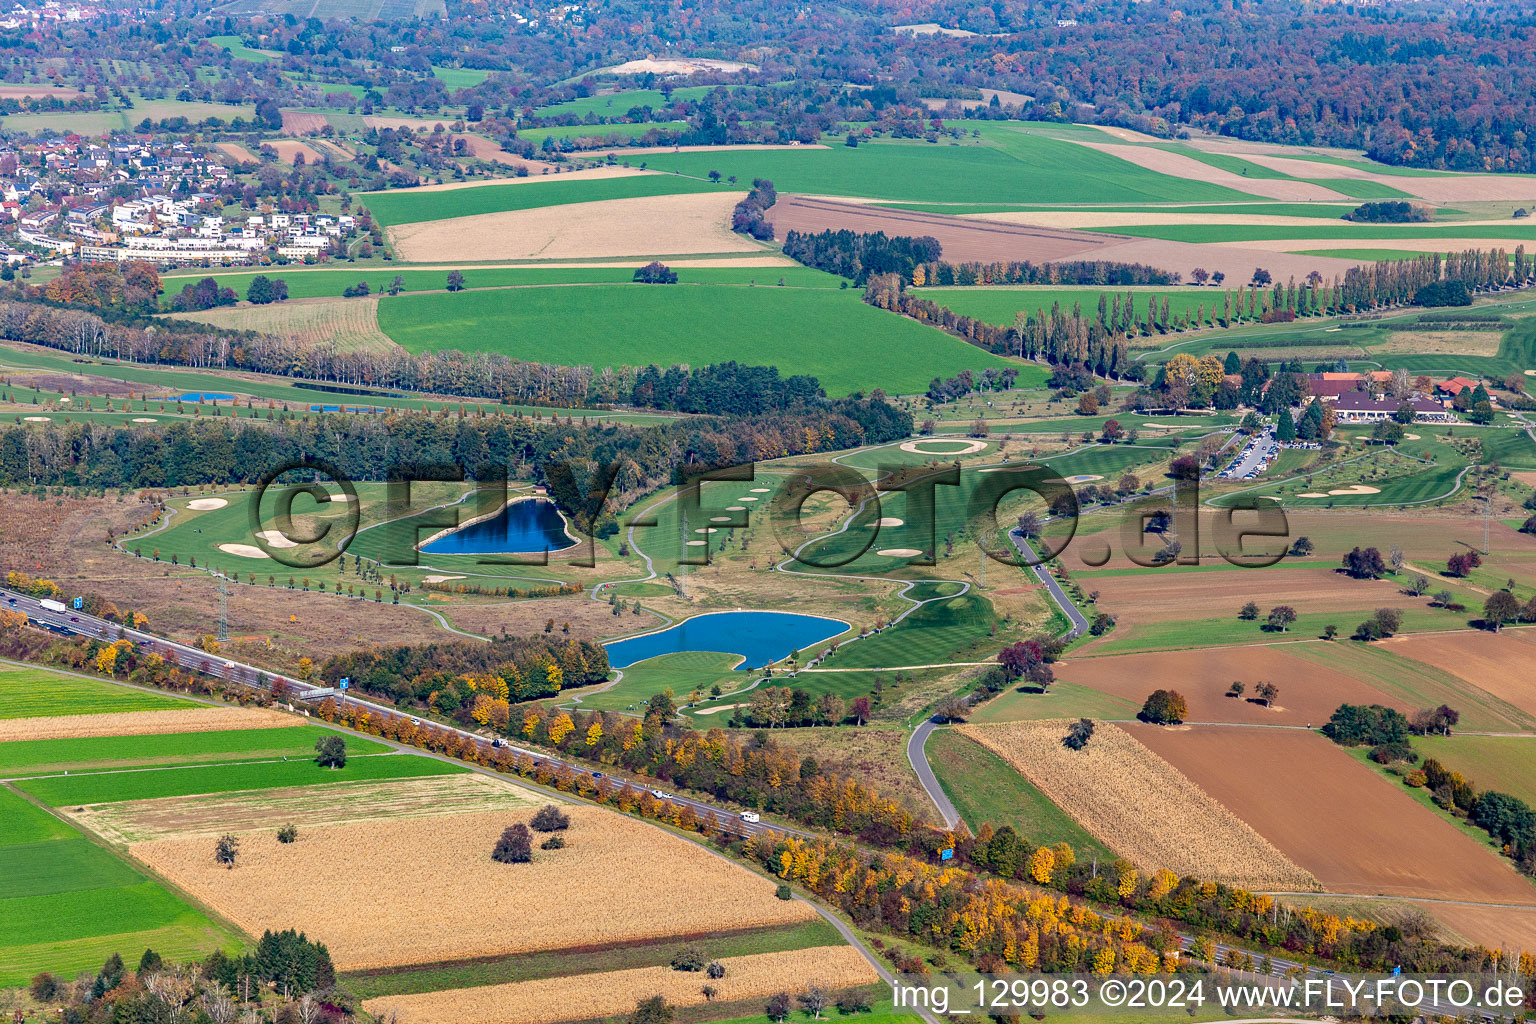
[196, 659]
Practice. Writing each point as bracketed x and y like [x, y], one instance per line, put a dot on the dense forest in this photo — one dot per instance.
[448, 677]
[1431, 84]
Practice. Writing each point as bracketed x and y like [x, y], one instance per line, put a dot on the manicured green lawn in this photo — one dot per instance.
[109, 787]
[37, 692]
[833, 335]
[35, 757]
[680, 673]
[934, 634]
[984, 789]
[1014, 166]
[392, 209]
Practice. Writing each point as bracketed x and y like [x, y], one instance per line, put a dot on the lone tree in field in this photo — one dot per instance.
[1249, 611]
[815, 999]
[1235, 690]
[1078, 734]
[288, 834]
[1501, 607]
[455, 281]
[1164, 707]
[331, 751]
[515, 846]
[1462, 563]
[226, 850]
[1281, 617]
[1303, 546]
[655, 272]
[1267, 692]
[1365, 563]
[550, 818]
[689, 958]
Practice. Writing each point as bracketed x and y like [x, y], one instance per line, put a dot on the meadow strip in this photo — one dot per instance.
[588, 996]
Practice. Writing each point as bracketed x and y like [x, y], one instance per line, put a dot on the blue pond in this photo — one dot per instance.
[759, 637]
[205, 396]
[523, 527]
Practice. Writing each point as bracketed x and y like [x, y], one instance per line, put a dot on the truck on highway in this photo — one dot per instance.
[52, 605]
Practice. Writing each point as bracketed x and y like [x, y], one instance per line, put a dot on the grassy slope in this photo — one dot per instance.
[832, 335]
[37, 692]
[1501, 763]
[392, 209]
[999, 305]
[984, 789]
[1014, 167]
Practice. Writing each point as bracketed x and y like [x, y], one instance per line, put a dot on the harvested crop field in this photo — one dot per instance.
[143, 723]
[1166, 162]
[963, 238]
[1489, 927]
[642, 226]
[1503, 664]
[1140, 806]
[143, 821]
[288, 149]
[352, 325]
[591, 996]
[430, 859]
[1332, 815]
[1450, 188]
[1309, 693]
[297, 122]
[1169, 595]
[237, 151]
[19, 92]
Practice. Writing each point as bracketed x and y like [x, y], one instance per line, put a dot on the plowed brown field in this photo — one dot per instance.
[1492, 927]
[1356, 832]
[1167, 596]
[432, 892]
[1503, 664]
[1309, 693]
[143, 723]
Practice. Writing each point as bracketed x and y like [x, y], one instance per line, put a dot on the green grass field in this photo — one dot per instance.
[601, 131]
[100, 122]
[835, 336]
[36, 693]
[1343, 232]
[454, 79]
[66, 904]
[1012, 166]
[99, 753]
[304, 284]
[934, 634]
[1000, 305]
[1502, 763]
[391, 209]
[1364, 255]
[984, 789]
[238, 50]
[110, 787]
[680, 673]
[617, 104]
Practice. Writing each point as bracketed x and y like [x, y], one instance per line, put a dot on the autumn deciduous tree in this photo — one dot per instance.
[1249, 611]
[1164, 707]
[1501, 607]
[656, 1010]
[1364, 563]
[1462, 563]
[550, 818]
[1281, 617]
[515, 845]
[331, 751]
[226, 850]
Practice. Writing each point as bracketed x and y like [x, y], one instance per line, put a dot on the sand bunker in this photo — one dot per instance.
[762, 490]
[1410, 437]
[1312, 494]
[719, 519]
[1356, 489]
[276, 539]
[706, 529]
[747, 498]
[36, 419]
[243, 550]
[889, 521]
[696, 222]
[1083, 478]
[899, 552]
[696, 543]
[145, 419]
[439, 579]
[717, 710]
[916, 447]
[735, 508]
[206, 504]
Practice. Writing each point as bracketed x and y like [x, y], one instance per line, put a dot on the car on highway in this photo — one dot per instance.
[659, 795]
[751, 816]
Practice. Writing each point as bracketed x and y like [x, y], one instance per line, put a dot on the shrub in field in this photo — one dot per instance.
[553, 843]
[654, 1010]
[550, 818]
[515, 846]
[226, 850]
[714, 969]
[784, 892]
[690, 958]
[288, 833]
[1078, 735]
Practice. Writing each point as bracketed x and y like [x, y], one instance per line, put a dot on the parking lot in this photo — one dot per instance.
[1256, 455]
